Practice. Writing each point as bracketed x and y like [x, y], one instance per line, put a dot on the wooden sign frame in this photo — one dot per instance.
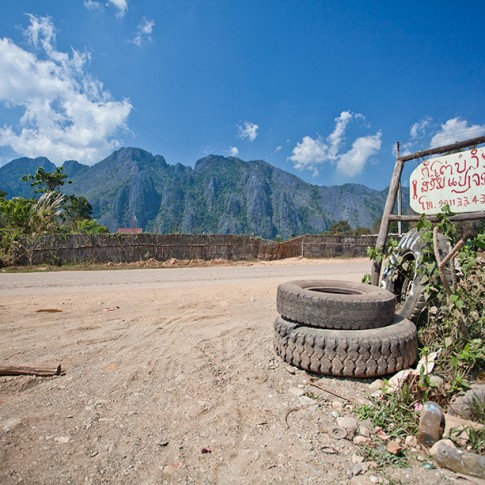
[394, 189]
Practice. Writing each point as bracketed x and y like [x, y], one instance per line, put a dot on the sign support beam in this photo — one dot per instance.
[390, 202]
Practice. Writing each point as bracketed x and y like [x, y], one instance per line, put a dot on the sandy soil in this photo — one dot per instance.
[171, 378]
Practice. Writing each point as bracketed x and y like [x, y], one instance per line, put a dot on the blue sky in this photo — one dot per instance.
[322, 89]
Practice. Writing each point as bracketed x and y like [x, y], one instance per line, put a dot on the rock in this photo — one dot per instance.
[434, 449]
[357, 459]
[361, 440]
[394, 447]
[431, 424]
[459, 461]
[436, 381]
[339, 405]
[307, 401]
[349, 424]
[291, 370]
[364, 431]
[311, 404]
[376, 385]
[357, 469]
[62, 439]
[461, 406]
[11, 424]
[411, 441]
[461, 428]
[396, 381]
[381, 434]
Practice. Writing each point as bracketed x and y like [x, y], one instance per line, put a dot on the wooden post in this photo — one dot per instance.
[22, 370]
[390, 202]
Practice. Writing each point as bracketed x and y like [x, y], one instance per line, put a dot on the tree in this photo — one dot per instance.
[361, 231]
[77, 208]
[47, 181]
[22, 221]
[90, 227]
[340, 228]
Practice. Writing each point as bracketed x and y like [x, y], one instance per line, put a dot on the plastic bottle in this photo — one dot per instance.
[431, 424]
[459, 461]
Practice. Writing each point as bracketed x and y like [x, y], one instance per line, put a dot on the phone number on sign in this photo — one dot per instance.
[455, 202]
[463, 201]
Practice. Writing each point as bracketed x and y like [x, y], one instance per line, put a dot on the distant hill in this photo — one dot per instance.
[133, 188]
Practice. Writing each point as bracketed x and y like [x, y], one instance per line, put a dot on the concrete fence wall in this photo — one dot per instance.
[81, 248]
[337, 246]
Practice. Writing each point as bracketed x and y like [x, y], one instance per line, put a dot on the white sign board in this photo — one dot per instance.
[457, 180]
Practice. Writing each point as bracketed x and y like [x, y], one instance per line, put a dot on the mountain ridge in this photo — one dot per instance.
[219, 195]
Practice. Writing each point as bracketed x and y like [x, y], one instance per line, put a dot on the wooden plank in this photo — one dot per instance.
[390, 202]
[446, 148]
[21, 370]
[466, 216]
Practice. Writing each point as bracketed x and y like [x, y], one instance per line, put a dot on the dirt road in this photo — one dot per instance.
[171, 378]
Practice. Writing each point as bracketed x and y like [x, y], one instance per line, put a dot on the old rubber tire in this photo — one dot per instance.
[347, 353]
[335, 304]
[407, 287]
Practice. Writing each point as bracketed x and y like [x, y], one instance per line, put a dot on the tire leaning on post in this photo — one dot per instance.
[409, 289]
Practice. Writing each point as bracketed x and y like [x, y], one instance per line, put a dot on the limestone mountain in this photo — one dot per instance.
[133, 188]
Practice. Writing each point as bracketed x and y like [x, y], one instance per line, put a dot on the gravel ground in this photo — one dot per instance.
[171, 377]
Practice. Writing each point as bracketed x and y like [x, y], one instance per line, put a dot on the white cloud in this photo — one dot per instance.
[143, 32]
[248, 130]
[308, 154]
[418, 133]
[67, 113]
[335, 138]
[92, 4]
[419, 128]
[121, 5]
[353, 162]
[312, 152]
[456, 129]
[234, 151]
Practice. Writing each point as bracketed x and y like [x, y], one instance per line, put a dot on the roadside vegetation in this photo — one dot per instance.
[451, 334]
[52, 212]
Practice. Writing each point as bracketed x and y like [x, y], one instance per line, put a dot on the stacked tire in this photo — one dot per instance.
[342, 329]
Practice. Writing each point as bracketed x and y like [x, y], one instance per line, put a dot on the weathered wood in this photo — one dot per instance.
[21, 370]
[390, 202]
[443, 149]
[465, 216]
[441, 266]
[454, 251]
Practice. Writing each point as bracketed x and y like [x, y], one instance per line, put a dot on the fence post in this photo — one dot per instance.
[390, 202]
